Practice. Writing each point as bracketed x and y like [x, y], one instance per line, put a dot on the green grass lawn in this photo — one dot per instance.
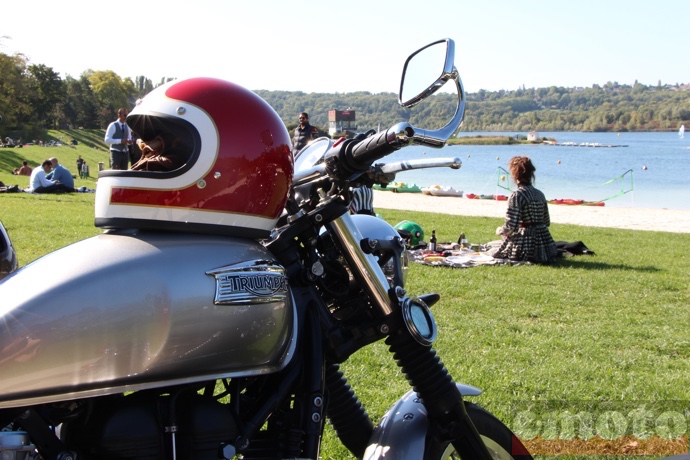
[606, 336]
[599, 334]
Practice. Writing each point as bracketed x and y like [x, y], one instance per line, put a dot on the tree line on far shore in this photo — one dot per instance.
[34, 98]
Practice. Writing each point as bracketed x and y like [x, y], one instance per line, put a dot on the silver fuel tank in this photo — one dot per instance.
[120, 312]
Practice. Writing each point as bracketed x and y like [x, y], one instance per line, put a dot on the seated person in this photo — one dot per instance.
[25, 170]
[60, 174]
[164, 152]
[526, 236]
[39, 184]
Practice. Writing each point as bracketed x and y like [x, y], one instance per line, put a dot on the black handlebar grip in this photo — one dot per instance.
[359, 156]
[367, 151]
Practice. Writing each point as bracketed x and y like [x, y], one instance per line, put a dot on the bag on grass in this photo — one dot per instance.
[576, 248]
[10, 189]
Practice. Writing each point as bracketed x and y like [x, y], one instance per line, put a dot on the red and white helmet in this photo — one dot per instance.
[238, 175]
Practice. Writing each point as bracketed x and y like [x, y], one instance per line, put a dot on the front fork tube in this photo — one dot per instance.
[434, 385]
[364, 267]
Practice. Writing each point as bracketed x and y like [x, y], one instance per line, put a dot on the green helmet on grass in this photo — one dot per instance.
[415, 230]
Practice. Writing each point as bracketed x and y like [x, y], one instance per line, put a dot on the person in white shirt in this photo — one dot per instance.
[39, 184]
[119, 137]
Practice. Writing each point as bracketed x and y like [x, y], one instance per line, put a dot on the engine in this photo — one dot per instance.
[143, 425]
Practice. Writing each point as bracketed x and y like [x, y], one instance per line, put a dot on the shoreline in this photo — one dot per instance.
[661, 220]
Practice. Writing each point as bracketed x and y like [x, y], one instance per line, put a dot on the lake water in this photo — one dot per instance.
[652, 171]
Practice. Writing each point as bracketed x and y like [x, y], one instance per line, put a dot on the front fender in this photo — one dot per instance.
[401, 433]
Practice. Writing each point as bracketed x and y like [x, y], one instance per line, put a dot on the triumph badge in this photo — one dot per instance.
[253, 282]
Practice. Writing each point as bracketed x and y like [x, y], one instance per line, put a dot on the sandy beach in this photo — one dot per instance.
[663, 220]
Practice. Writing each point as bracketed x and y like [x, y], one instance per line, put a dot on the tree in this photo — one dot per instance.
[46, 91]
[12, 89]
[112, 93]
[80, 106]
[143, 86]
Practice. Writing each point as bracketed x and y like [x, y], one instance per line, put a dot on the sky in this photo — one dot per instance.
[324, 46]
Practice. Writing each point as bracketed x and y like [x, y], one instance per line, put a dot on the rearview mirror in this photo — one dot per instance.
[426, 71]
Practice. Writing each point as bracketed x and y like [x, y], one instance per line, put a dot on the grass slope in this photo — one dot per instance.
[90, 146]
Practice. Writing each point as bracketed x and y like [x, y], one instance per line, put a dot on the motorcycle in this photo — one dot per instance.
[8, 256]
[211, 317]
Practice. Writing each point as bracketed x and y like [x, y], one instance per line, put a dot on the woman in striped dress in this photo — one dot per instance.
[526, 236]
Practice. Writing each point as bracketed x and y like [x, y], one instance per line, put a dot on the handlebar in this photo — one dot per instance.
[379, 145]
[352, 158]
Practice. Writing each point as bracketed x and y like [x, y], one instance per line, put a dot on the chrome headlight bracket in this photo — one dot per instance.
[384, 242]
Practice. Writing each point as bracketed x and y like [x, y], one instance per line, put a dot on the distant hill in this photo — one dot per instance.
[611, 107]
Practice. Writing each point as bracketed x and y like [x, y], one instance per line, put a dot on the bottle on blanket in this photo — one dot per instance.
[463, 241]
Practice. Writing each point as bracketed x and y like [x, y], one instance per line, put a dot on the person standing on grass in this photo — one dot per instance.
[118, 136]
[526, 236]
[80, 162]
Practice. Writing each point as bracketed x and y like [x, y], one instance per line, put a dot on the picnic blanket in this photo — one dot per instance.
[452, 255]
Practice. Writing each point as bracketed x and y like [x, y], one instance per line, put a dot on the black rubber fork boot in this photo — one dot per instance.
[440, 396]
[349, 419]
